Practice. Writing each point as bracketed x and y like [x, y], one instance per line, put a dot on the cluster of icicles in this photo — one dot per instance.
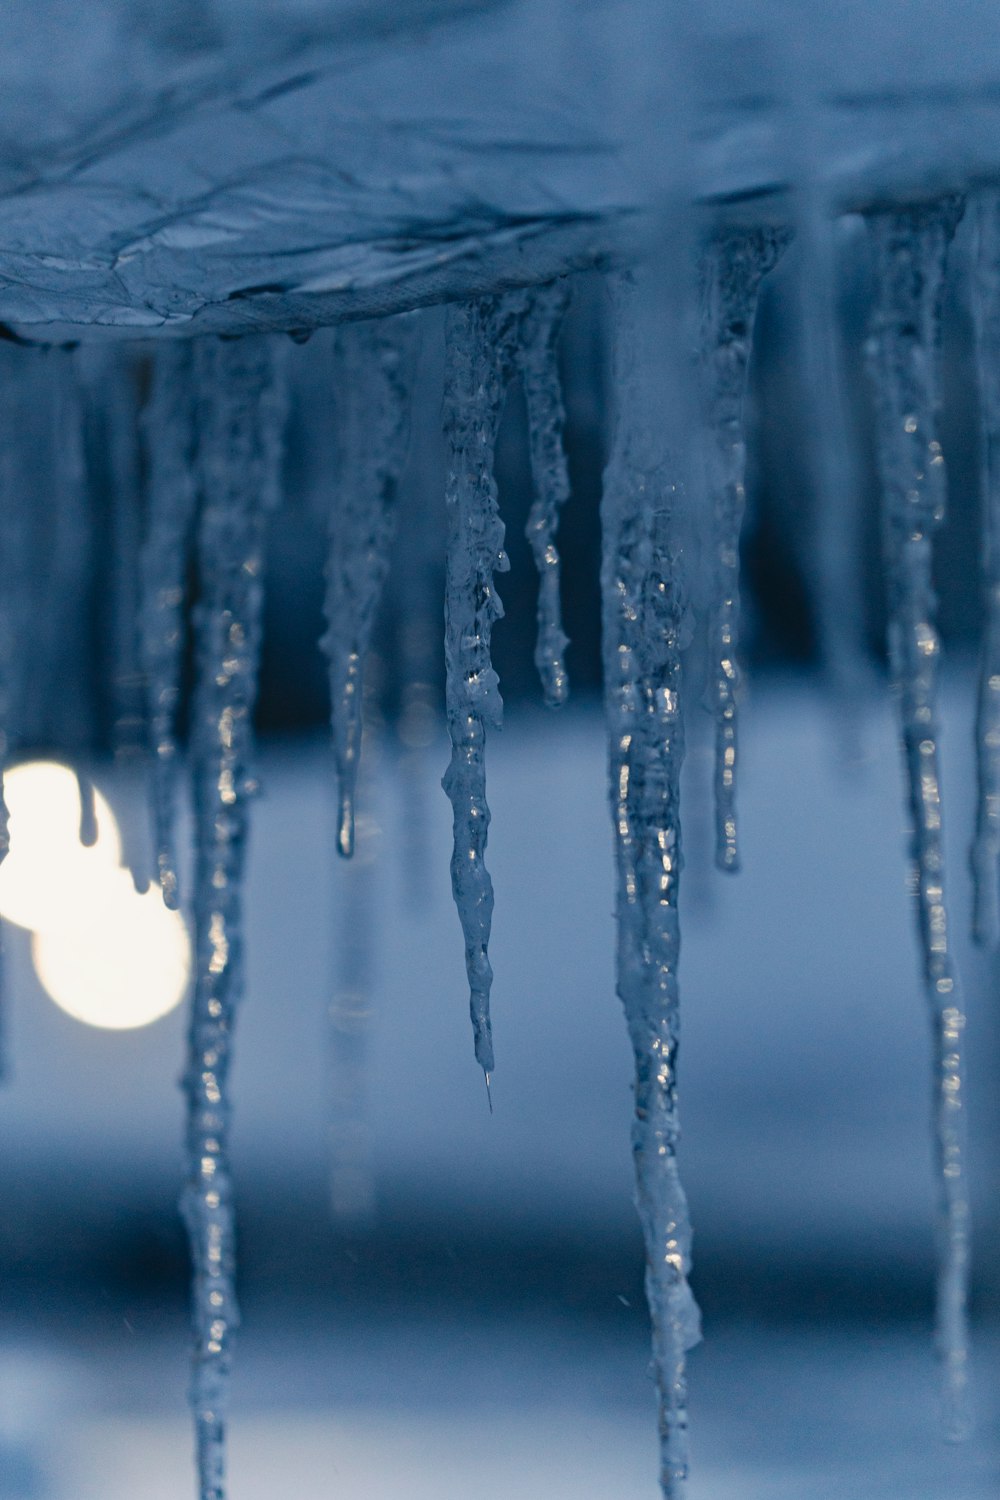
[212, 431]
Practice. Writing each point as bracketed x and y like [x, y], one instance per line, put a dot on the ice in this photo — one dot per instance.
[732, 266]
[481, 344]
[909, 251]
[830, 555]
[985, 856]
[539, 366]
[352, 1183]
[645, 629]
[169, 430]
[374, 370]
[88, 810]
[239, 418]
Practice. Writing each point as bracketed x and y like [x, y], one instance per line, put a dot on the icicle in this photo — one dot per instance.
[418, 576]
[910, 249]
[733, 263]
[239, 446]
[985, 855]
[645, 629]
[88, 810]
[352, 1186]
[539, 368]
[374, 372]
[168, 425]
[830, 558]
[481, 340]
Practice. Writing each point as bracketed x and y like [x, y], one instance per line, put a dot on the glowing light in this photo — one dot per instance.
[47, 865]
[118, 960]
[106, 955]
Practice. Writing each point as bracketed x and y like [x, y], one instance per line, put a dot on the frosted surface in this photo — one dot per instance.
[283, 164]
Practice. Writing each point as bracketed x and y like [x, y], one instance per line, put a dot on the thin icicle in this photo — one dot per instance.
[168, 426]
[418, 575]
[830, 556]
[374, 371]
[645, 629]
[88, 810]
[910, 251]
[352, 1180]
[539, 368]
[985, 856]
[239, 445]
[733, 263]
[481, 338]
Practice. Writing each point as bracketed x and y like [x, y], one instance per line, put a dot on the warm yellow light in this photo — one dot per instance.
[48, 867]
[121, 960]
[105, 954]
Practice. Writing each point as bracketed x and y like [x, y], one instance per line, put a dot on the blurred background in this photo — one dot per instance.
[438, 1300]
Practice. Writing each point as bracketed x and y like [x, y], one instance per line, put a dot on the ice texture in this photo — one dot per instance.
[645, 629]
[985, 854]
[169, 432]
[374, 370]
[481, 344]
[539, 367]
[732, 265]
[239, 430]
[910, 249]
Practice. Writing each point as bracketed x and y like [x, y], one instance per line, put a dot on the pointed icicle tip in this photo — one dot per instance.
[168, 887]
[489, 1091]
[88, 811]
[345, 828]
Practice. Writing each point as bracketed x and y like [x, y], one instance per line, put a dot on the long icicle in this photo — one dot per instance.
[480, 342]
[239, 420]
[732, 266]
[169, 431]
[985, 854]
[374, 369]
[910, 252]
[644, 632]
[539, 368]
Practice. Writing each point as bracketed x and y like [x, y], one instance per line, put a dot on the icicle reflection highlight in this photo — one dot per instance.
[910, 249]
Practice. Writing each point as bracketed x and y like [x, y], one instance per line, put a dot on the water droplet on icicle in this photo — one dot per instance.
[910, 251]
[240, 423]
[374, 368]
[732, 265]
[645, 629]
[169, 431]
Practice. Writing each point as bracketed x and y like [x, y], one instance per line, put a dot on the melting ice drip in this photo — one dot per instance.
[212, 431]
